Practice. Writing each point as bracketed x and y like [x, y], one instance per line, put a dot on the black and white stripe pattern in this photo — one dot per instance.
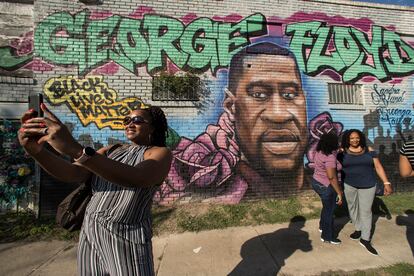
[116, 233]
[408, 150]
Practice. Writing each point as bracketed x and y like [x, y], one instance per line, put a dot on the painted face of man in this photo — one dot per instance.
[269, 111]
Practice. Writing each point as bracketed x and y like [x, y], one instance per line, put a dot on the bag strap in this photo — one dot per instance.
[88, 182]
[112, 148]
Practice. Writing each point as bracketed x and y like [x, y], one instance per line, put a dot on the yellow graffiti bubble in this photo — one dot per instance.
[91, 99]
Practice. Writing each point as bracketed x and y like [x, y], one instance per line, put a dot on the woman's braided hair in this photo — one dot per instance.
[159, 122]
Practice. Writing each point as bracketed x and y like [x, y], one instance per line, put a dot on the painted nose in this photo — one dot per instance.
[276, 110]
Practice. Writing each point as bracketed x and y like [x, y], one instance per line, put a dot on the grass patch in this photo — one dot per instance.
[243, 214]
[399, 269]
[199, 216]
[399, 203]
[25, 226]
[217, 217]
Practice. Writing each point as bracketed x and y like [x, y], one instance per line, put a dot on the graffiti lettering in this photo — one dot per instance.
[391, 56]
[394, 116]
[91, 100]
[18, 53]
[64, 39]
[9, 61]
[384, 98]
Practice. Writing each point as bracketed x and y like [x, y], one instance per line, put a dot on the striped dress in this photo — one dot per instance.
[116, 233]
[408, 150]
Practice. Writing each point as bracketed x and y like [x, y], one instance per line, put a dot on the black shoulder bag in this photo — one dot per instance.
[71, 210]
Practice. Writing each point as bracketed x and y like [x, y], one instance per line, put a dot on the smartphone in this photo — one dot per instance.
[34, 103]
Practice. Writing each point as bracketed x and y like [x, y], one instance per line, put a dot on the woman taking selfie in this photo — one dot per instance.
[115, 238]
[406, 161]
[360, 164]
[326, 185]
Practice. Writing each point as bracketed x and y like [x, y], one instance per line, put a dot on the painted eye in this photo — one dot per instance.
[289, 95]
[258, 94]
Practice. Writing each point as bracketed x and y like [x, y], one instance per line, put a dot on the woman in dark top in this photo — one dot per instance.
[115, 238]
[359, 165]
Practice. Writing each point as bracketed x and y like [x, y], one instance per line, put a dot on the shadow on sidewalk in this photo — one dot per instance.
[341, 219]
[278, 245]
[408, 221]
[379, 209]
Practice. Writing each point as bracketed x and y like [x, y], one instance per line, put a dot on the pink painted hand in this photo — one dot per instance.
[206, 162]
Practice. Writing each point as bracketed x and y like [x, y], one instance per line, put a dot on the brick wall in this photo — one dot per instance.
[349, 65]
[16, 47]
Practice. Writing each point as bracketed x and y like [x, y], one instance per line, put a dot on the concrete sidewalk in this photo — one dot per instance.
[293, 249]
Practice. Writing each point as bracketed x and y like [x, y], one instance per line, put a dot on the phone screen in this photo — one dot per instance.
[34, 103]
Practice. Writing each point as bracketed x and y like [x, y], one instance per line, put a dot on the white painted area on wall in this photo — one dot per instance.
[12, 110]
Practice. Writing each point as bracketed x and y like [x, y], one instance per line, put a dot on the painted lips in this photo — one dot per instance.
[280, 141]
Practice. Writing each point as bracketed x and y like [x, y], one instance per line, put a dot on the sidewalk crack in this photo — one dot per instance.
[278, 265]
[161, 257]
[51, 258]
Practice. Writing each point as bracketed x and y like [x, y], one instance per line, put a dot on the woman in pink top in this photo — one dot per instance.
[325, 183]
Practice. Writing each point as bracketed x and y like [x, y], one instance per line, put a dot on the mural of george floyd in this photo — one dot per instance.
[248, 86]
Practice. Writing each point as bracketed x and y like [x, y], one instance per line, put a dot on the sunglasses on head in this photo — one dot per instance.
[136, 120]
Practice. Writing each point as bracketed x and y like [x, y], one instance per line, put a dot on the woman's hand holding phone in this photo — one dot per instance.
[53, 131]
[29, 142]
[36, 131]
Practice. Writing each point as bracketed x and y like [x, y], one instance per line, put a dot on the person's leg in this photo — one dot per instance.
[365, 213]
[331, 202]
[322, 191]
[130, 258]
[89, 263]
[351, 195]
[366, 198]
[144, 259]
[125, 255]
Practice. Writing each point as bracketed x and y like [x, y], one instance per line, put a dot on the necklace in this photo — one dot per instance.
[351, 151]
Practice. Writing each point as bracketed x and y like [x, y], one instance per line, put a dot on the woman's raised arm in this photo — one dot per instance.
[151, 171]
[60, 168]
[406, 170]
[30, 138]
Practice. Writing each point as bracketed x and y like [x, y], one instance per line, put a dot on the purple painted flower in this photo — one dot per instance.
[206, 162]
[318, 126]
[322, 124]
